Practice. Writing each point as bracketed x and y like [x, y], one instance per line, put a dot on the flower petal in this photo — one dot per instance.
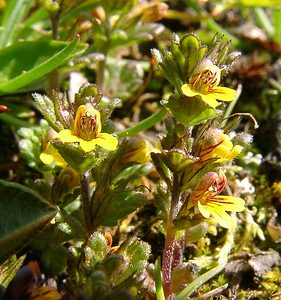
[67, 136]
[210, 99]
[46, 158]
[88, 146]
[224, 219]
[228, 203]
[188, 91]
[224, 93]
[107, 141]
[59, 160]
[204, 210]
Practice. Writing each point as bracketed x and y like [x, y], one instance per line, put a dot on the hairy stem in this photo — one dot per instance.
[169, 249]
[85, 194]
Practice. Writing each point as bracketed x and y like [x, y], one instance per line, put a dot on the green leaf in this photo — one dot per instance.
[116, 206]
[30, 144]
[136, 254]
[23, 213]
[25, 62]
[98, 248]
[10, 268]
[190, 111]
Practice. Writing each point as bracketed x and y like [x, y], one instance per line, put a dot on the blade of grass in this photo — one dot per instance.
[276, 16]
[40, 70]
[144, 124]
[158, 280]
[195, 284]
[14, 121]
[264, 21]
[13, 15]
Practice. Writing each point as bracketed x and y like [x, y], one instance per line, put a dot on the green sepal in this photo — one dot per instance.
[193, 172]
[47, 109]
[161, 168]
[191, 47]
[178, 57]
[218, 50]
[176, 160]
[190, 111]
[232, 124]
[181, 58]
[163, 202]
[80, 161]
[88, 93]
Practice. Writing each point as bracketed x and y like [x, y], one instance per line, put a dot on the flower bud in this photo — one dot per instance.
[67, 180]
[137, 151]
[155, 11]
[217, 144]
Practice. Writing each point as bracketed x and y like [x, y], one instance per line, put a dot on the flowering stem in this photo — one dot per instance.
[85, 194]
[168, 254]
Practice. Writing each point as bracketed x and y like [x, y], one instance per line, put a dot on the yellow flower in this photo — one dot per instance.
[50, 154]
[87, 131]
[206, 198]
[217, 144]
[205, 83]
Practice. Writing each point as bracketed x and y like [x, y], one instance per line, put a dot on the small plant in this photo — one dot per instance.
[133, 175]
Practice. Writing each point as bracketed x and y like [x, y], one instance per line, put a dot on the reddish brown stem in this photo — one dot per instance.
[168, 253]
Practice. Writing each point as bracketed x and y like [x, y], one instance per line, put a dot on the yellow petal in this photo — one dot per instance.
[67, 136]
[228, 203]
[59, 160]
[188, 91]
[224, 219]
[210, 99]
[204, 210]
[88, 146]
[47, 159]
[224, 93]
[107, 141]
